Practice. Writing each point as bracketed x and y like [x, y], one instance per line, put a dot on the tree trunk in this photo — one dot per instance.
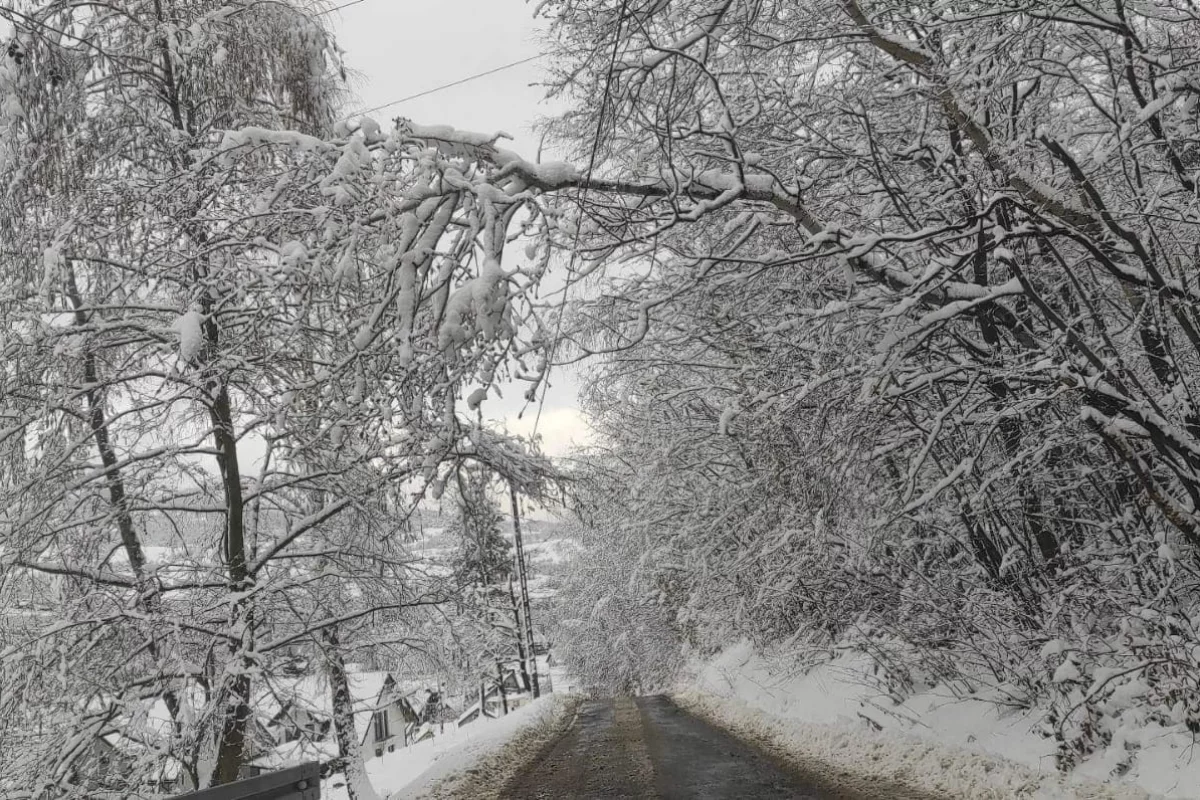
[148, 598]
[500, 686]
[349, 752]
[231, 749]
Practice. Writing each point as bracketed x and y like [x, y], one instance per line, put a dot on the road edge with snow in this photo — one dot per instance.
[863, 759]
[492, 767]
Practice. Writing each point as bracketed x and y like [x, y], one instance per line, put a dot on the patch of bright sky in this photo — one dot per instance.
[398, 48]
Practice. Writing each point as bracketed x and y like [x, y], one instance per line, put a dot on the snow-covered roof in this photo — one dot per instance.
[168, 768]
[143, 720]
[298, 752]
[314, 694]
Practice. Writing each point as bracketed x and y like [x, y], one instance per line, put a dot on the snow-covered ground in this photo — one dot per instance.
[412, 771]
[935, 741]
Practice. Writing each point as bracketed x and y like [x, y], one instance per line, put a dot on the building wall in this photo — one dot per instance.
[396, 723]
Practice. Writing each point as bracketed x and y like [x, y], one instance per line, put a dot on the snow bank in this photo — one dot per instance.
[488, 774]
[417, 768]
[934, 741]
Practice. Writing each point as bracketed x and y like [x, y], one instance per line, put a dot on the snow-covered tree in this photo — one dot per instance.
[911, 283]
[231, 324]
[484, 555]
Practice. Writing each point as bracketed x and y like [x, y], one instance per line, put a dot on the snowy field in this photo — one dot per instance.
[963, 747]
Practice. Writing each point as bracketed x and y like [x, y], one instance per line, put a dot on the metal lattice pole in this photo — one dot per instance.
[522, 576]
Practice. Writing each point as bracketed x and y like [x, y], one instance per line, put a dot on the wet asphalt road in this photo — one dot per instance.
[647, 747]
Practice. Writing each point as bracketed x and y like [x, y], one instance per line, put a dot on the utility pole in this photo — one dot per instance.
[500, 686]
[520, 629]
[522, 576]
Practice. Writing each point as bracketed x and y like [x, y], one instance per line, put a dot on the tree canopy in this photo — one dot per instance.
[889, 312]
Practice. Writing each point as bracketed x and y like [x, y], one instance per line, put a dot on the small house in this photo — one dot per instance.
[299, 712]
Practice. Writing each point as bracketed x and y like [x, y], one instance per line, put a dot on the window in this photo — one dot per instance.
[381, 726]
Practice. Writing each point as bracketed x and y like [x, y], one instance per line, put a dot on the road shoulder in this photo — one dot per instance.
[486, 777]
[872, 765]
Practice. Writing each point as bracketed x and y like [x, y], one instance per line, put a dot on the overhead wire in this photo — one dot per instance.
[424, 93]
[591, 160]
[340, 7]
[458, 82]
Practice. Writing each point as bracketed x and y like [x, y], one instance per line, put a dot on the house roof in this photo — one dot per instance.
[313, 694]
[297, 752]
[169, 767]
[417, 693]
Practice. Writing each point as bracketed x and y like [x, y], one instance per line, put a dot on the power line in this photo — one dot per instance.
[339, 8]
[458, 82]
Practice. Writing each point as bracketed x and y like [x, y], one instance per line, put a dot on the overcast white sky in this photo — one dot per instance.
[402, 47]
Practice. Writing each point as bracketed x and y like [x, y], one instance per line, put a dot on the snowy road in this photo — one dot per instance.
[649, 748]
